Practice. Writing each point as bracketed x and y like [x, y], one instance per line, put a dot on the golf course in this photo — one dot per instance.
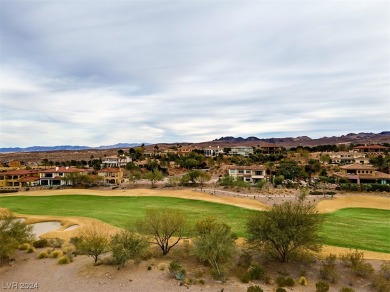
[361, 228]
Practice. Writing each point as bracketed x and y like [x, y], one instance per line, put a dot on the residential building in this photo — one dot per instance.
[58, 176]
[184, 151]
[372, 149]
[115, 161]
[270, 148]
[344, 157]
[17, 179]
[241, 150]
[111, 175]
[363, 173]
[212, 151]
[251, 174]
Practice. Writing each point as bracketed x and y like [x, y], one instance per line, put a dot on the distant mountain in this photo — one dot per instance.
[68, 147]
[370, 138]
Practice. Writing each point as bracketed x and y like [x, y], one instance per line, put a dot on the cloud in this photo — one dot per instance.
[75, 73]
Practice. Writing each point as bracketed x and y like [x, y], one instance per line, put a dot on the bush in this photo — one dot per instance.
[282, 281]
[245, 278]
[176, 269]
[30, 249]
[254, 289]
[381, 284]
[40, 243]
[24, 246]
[43, 255]
[280, 289]
[302, 281]
[355, 260]
[56, 254]
[256, 272]
[55, 242]
[347, 289]
[385, 270]
[328, 270]
[322, 286]
[63, 260]
[245, 258]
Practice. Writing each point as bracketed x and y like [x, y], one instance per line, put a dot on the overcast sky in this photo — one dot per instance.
[102, 72]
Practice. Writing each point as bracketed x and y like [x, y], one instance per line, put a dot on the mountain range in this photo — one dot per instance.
[68, 147]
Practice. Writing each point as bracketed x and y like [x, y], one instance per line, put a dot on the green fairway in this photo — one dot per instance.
[124, 211]
[359, 228]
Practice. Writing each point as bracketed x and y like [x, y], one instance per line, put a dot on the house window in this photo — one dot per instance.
[258, 172]
[247, 171]
[232, 171]
[240, 171]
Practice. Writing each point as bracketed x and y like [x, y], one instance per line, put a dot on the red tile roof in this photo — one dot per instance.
[252, 167]
[358, 166]
[110, 169]
[19, 172]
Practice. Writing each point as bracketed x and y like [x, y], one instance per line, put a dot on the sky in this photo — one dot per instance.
[99, 72]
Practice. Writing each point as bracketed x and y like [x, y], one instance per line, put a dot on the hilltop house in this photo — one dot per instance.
[212, 151]
[111, 175]
[371, 149]
[115, 161]
[362, 173]
[343, 157]
[58, 176]
[251, 174]
[241, 150]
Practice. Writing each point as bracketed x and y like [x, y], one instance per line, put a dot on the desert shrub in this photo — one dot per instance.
[280, 289]
[63, 260]
[285, 281]
[347, 289]
[68, 248]
[176, 269]
[200, 281]
[245, 278]
[126, 245]
[322, 286]
[74, 240]
[256, 272]
[56, 254]
[162, 266]
[254, 289]
[328, 269]
[43, 255]
[385, 270]
[302, 281]
[31, 249]
[245, 258]
[381, 281]
[24, 246]
[40, 243]
[355, 260]
[363, 269]
[267, 279]
[55, 242]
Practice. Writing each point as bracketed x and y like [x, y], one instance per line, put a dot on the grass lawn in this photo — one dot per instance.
[360, 228]
[124, 211]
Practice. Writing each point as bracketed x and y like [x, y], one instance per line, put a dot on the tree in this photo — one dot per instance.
[286, 229]
[162, 225]
[289, 169]
[214, 243]
[126, 245]
[13, 232]
[134, 176]
[202, 178]
[313, 166]
[94, 241]
[154, 176]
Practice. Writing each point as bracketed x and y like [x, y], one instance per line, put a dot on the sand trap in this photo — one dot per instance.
[71, 227]
[353, 201]
[45, 227]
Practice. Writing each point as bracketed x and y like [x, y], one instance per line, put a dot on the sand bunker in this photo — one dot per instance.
[71, 227]
[45, 227]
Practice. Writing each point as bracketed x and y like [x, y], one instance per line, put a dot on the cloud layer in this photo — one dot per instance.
[103, 72]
